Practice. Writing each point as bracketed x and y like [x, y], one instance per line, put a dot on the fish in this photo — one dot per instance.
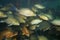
[2, 15]
[12, 21]
[26, 12]
[10, 12]
[33, 27]
[44, 26]
[43, 17]
[50, 17]
[56, 22]
[21, 18]
[6, 8]
[7, 33]
[36, 21]
[34, 9]
[25, 31]
[42, 38]
[46, 17]
[39, 6]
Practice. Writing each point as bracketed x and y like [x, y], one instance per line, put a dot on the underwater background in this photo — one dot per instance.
[29, 19]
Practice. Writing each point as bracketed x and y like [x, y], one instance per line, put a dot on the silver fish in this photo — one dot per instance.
[26, 12]
[43, 17]
[36, 21]
[46, 16]
[39, 6]
[56, 22]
